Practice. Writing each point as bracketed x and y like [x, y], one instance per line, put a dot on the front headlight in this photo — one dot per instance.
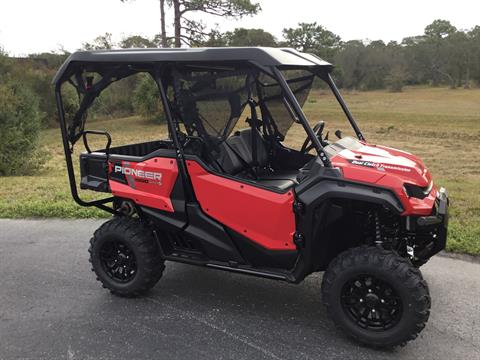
[418, 192]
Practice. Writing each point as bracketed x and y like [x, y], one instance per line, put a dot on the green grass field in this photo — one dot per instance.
[440, 125]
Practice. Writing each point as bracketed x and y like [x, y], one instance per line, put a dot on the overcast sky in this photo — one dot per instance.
[30, 26]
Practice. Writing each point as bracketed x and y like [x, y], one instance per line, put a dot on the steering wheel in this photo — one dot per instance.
[318, 130]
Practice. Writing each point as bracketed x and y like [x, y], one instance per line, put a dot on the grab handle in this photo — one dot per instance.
[97, 132]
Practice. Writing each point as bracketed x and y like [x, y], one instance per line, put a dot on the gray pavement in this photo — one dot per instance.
[51, 307]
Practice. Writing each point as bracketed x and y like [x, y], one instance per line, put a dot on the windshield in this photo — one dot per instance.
[318, 103]
[275, 107]
[212, 102]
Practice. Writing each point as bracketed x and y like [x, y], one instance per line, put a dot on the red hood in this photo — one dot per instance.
[383, 166]
[379, 161]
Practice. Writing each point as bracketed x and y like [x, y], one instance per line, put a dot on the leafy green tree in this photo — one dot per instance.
[474, 36]
[440, 29]
[188, 31]
[136, 41]
[436, 40]
[240, 37]
[376, 65]
[215, 39]
[102, 42]
[314, 38]
[351, 62]
[250, 37]
[397, 67]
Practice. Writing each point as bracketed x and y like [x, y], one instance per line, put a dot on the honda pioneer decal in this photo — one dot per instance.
[140, 175]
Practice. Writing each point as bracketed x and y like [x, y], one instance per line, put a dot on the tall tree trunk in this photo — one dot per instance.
[162, 24]
[177, 23]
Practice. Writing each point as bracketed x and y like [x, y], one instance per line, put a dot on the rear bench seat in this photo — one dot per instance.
[240, 145]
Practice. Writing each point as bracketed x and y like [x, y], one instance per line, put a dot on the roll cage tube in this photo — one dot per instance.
[344, 106]
[68, 158]
[292, 100]
[156, 75]
[173, 129]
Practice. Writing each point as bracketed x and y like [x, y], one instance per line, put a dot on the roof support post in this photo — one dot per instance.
[344, 106]
[172, 128]
[292, 100]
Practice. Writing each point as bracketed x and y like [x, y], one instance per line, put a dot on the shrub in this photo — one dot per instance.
[40, 83]
[19, 128]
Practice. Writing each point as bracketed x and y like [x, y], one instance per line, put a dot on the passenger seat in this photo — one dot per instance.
[236, 155]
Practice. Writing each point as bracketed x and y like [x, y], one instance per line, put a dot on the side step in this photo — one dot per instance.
[242, 269]
[254, 272]
[193, 258]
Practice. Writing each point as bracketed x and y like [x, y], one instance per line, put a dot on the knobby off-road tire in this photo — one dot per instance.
[363, 279]
[419, 263]
[125, 257]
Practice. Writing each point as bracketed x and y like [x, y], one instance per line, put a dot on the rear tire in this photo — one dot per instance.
[125, 257]
[375, 296]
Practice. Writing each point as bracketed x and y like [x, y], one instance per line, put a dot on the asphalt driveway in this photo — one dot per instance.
[51, 307]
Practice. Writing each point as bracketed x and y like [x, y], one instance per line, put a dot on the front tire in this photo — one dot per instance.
[375, 296]
[125, 257]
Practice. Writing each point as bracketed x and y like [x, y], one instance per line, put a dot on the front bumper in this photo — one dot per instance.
[438, 220]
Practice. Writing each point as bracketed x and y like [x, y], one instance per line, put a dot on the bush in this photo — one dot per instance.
[146, 100]
[19, 128]
[40, 83]
[71, 102]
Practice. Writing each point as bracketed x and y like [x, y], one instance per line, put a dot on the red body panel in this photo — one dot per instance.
[263, 216]
[152, 187]
[389, 168]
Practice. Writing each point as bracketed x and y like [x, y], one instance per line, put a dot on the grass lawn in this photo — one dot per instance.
[440, 125]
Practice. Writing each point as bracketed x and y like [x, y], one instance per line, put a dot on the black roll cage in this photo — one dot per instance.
[92, 91]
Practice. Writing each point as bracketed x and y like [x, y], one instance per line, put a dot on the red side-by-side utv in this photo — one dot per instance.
[225, 191]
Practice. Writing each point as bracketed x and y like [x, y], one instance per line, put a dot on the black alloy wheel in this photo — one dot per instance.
[118, 261]
[371, 303]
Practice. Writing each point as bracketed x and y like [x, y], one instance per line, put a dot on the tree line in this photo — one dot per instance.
[442, 56]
